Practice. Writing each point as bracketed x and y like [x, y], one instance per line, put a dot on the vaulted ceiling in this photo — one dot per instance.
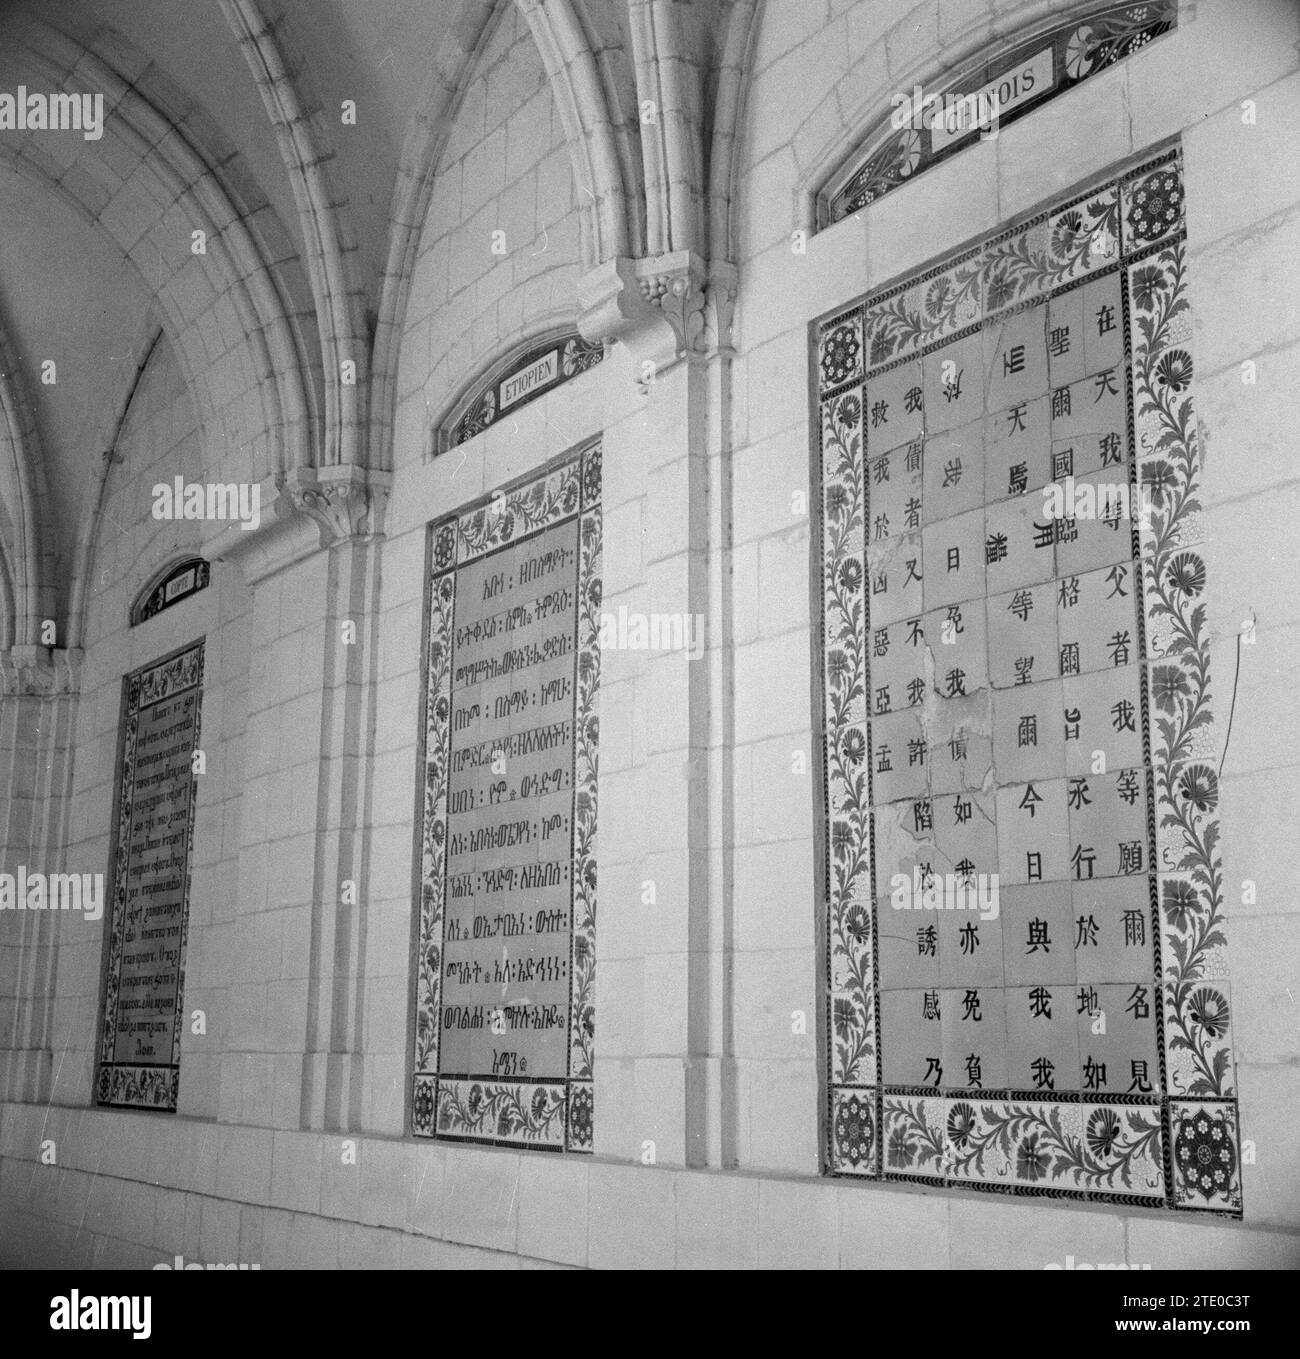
[224, 109]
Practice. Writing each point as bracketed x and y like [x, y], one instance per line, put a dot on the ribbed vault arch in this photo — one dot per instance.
[25, 535]
[332, 267]
[161, 172]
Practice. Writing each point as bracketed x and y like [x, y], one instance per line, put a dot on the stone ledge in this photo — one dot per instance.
[686, 1216]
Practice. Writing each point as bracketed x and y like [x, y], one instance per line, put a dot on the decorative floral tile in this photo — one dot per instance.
[915, 1136]
[853, 1132]
[1153, 206]
[1045, 1142]
[1122, 1148]
[1198, 1040]
[1175, 581]
[424, 1104]
[839, 359]
[981, 1141]
[1089, 1150]
[1182, 718]
[580, 1116]
[889, 165]
[1164, 423]
[1084, 237]
[853, 1012]
[1016, 268]
[951, 300]
[1204, 1148]
[130, 1086]
[592, 465]
[894, 328]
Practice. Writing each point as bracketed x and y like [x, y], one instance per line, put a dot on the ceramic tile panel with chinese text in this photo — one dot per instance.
[1026, 983]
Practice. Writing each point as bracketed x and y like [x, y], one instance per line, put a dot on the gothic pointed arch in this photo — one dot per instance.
[221, 266]
[25, 540]
[337, 292]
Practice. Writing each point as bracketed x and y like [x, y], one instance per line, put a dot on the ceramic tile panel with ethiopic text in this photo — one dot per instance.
[505, 957]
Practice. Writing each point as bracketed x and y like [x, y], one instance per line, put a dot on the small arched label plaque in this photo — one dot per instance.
[929, 123]
[181, 581]
[521, 377]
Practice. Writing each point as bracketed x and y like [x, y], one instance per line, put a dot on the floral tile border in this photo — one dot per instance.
[1063, 1147]
[510, 1113]
[433, 839]
[847, 789]
[129, 1084]
[951, 300]
[586, 777]
[1198, 1049]
[512, 514]
[542, 1114]
[1114, 1150]
[1016, 268]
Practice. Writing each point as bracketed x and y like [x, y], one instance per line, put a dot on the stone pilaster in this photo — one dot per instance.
[313, 572]
[660, 1004]
[38, 705]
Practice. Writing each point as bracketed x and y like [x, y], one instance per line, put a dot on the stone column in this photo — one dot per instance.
[38, 706]
[294, 1041]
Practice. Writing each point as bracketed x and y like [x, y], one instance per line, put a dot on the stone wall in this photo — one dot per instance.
[289, 1147]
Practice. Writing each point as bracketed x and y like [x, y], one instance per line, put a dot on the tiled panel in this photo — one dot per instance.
[1025, 944]
[554, 1109]
[141, 1010]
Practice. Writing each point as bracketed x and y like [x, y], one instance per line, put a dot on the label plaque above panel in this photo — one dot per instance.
[525, 375]
[926, 124]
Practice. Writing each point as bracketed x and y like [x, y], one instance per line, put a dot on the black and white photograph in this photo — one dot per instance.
[649, 635]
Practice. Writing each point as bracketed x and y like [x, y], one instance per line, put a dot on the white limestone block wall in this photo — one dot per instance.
[1243, 196]
[474, 295]
[498, 258]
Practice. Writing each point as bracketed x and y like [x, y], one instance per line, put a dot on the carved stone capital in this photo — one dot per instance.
[344, 502]
[39, 672]
[720, 308]
[314, 508]
[665, 308]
